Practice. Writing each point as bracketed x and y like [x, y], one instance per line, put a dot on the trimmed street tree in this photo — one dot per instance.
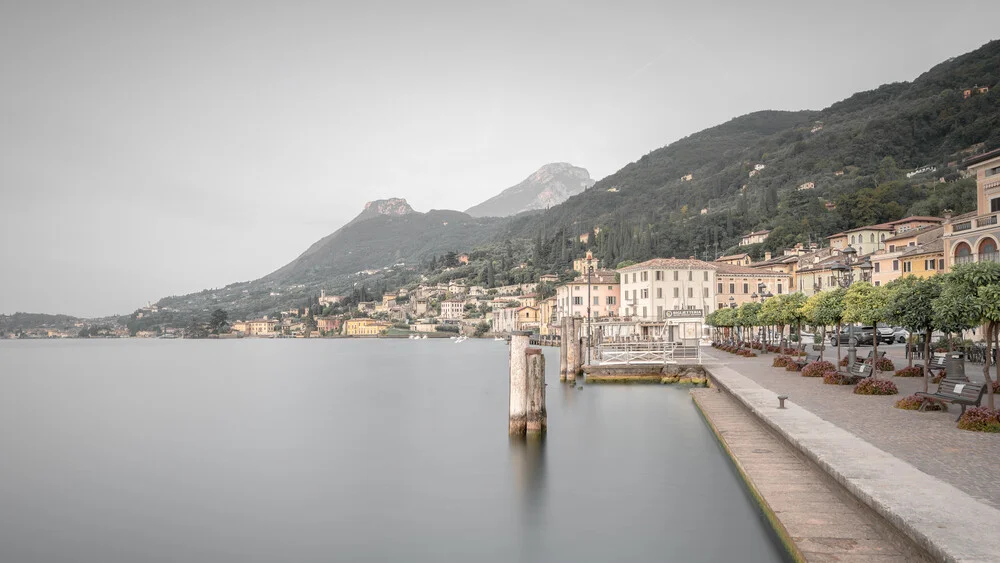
[977, 285]
[911, 304]
[746, 316]
[866, 305]
[830, 312]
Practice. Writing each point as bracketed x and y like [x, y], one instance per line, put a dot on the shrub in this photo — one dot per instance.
[913, 402]
[980, 419]
[872, 386]
[446, 328]
[780, 361]
[940, 375]
[843, 362]
[910, 372]
[817, 369]
[832, 378]
[884, 364]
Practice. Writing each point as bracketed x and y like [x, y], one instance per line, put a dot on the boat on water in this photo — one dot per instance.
[461, 339]
[498, 339]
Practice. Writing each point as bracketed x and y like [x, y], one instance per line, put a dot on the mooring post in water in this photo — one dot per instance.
[536, 391]
[563, 345]
[575, 349]
[518, 382]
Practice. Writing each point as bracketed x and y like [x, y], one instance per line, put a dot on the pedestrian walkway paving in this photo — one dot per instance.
[942, 519]
[822, 521]
[929, 441]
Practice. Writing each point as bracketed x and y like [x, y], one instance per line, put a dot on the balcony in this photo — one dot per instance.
[986, 221]
[963, 226]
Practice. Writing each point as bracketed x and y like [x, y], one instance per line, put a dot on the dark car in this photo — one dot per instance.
[860, 335]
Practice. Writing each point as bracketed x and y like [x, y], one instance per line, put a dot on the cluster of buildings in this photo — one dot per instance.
[674, 292]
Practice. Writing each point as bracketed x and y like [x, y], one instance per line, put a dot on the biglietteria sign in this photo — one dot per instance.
[683, 314]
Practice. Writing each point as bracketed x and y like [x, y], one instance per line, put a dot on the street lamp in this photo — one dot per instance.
[590, 272]
[845, 279]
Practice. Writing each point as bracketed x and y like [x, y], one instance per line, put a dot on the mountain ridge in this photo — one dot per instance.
[548, 186]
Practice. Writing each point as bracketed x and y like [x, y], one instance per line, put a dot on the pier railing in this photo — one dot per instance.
[647, 352]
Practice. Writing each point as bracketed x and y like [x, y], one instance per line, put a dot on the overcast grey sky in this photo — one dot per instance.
[158, 148]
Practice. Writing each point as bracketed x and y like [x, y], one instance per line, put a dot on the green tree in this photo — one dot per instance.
[911, 304]
[975, 290]
[747, 318]
[219, 321]
[866, 304]
[829, 311]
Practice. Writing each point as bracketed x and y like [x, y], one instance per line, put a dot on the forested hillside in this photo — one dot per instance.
[805, 175]
[855, 153]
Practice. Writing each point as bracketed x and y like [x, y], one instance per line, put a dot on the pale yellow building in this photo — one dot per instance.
[261, 327]
[735, 259]
[365, 327]
[736, 285]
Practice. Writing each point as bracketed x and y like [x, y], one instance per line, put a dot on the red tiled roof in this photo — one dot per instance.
[731, 269]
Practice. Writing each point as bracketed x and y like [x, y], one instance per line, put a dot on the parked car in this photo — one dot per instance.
[886, 334]
[900, 334]
[860, 335]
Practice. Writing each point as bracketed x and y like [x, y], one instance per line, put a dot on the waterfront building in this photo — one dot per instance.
[364, 327]
[547, 320]
[656, 288]
[260, 327]
[452, 309]
[328, 324]
[742, 284]
[605, 296]
[975, 237]
[516, 318]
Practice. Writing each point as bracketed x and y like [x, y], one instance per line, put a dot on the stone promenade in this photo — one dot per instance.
[929, 441]
[822, 522]
[917, 471]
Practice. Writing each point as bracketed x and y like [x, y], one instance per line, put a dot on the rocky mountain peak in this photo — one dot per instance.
[392, 207]
[550, 185]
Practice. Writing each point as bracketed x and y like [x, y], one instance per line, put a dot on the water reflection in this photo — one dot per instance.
[528, 463]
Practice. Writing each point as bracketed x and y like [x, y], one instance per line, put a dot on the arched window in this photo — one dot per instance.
[871, 237]
[852, 239]
[962, 250]
[987, 248]
[883, 237]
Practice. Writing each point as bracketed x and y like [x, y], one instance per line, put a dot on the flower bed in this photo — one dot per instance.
[872, 386]
[843, 362]
[817, 369]
[980, 419]
[833, 378]
[792, 366]
[884, 364]
[940, 375]
[780, 361]
[910, 372]
[744, 352]
[913, 402]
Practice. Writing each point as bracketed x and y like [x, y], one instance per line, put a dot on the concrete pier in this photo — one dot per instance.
[536, 391]
[518, 382]
[563, 345]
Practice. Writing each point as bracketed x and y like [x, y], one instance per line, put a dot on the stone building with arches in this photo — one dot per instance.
[975, 237]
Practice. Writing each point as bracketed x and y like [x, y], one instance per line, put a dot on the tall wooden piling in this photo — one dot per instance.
[563, 345]
[573, 350]
[536, 391]
[518, 401]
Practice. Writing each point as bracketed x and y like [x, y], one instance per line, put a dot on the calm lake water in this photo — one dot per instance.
[338, 450]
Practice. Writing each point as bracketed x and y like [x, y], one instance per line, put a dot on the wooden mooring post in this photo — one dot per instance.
[563, 344]
[518, 401]
[537, 417]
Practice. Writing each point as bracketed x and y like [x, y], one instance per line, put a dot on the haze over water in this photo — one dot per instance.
[290, 450]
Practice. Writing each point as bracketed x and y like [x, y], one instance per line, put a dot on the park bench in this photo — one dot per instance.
[871, 354]
[857, 372]
[936, 364]
[801, 361]
[955, 391]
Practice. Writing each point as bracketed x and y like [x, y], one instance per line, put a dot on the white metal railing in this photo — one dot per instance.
[647, 352]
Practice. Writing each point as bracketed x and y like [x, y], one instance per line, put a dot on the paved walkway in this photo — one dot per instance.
[947, 522]
[929, 441]
[823, 522]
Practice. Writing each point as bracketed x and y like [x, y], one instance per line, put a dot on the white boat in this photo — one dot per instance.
[461, 339]
[423, 337]
[498, 339]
